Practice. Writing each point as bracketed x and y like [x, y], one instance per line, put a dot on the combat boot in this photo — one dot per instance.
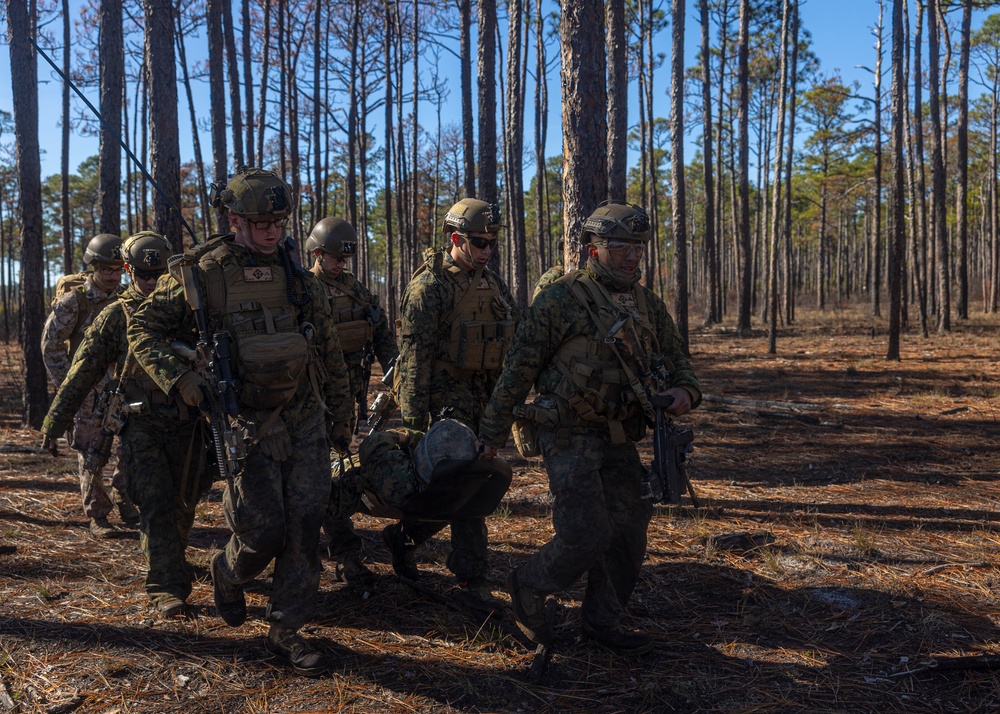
[352, 571]
[292, 647]
[401, 550]
[169, 606]
[477, 594]
[619, 640]
[229, 598]
[103, 528]
[529, 610]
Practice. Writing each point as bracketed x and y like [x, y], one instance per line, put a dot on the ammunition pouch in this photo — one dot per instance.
[355, 335]
[271, 366]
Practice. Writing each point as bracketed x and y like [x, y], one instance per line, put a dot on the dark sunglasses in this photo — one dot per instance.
[482, 243]
[146, 274]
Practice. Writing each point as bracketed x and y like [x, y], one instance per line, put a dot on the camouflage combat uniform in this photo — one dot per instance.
[72, 313]
[594, 470]
[275, 508]
[430, 377]
[163, 445]
[548, 277]
[382, 466]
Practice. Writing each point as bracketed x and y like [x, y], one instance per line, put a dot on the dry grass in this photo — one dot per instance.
[886, 536]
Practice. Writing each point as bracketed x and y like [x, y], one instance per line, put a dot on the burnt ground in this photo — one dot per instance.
[865, 582]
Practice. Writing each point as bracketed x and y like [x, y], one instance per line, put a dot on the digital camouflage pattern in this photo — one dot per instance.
[163, 451]
[599, 516]
[383, 342]
[80, 381]
[423, 391]
[548, 277]
[274, 509]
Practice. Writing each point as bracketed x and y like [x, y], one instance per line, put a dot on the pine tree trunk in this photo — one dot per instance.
[468, 121]
[217, 97]
[67, 227]
[776, 213]
[248, 80]
[961, 186]
[938, 209]
[232, 67]
[897, 244]
[514, 170]
[542, 234]
[678, 204]
[112, 69]
[617, 100]
[746, 259]
[709, 200]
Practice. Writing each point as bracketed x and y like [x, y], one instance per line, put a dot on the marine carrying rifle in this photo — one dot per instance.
[212, 359]
[384, 405]
[113, 410]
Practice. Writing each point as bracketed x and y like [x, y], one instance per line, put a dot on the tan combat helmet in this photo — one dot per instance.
[255, 194]
[616, 220]
[446, 439]
[103, 249]
[335, 236]
[146, 253]
[470, 215]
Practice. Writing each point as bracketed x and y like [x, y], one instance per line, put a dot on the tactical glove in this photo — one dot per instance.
[275, 443]
[340, 433]
[50, 435]
[415, 423]
[190, 386]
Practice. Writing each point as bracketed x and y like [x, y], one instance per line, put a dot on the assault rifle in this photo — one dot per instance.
[212, 358]
[384, 405]
[667, 477]
[113, 410]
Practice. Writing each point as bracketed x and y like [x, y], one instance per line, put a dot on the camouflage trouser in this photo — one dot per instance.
[97, 502]
[600, 523]
[275, 514]
[165, 460]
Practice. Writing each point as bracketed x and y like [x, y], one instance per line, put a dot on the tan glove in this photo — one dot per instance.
[340, 434]
[191, 388]
[276, 444]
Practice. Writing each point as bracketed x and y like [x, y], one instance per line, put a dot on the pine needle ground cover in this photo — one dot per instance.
[844, 559]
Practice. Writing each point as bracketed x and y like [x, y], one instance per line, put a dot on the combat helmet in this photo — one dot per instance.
[617, 220]
[104, 249]
[446, 439]
[470, 215]
[335, 236]
[255, 193]
[146, 253]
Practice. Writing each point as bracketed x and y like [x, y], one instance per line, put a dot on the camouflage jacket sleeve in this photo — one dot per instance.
[384, 342]
[156, 323]
[425, 304]
[538, 335]
[103, 347]
[336, 387]
[56, 334]
[672, 347]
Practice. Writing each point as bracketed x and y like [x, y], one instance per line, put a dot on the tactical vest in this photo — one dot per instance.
[598, 387]
[86, 309]
[478, 331]
[252, 304]
[350, 311]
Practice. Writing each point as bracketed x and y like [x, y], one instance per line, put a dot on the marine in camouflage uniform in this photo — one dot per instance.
[588, 420]
[294, 400]
[552, 274]
[365, 335]
[458, 318]
[163, 439]
[72, 313]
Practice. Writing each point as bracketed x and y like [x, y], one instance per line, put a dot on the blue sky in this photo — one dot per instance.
[841, 34]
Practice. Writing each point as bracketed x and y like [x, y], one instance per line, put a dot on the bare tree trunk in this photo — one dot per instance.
[248, 77]
[391, 286]
[265, 61]
[876, 262]
[352, 119]
[67, 228]
[217, 95]
[468, 130]
[112, 69]
[234, 81]
[790, 285]
[29, 179]
[541, 119]
[897, 246]
[938, 188]
[746, 259]
[415, 140]
[709, 205]
[917, 131]
[584, 118]
[206, 212]
[487, 53]
[961, 187]
[281, 43]
[678, 204]
[617, 100]
[319, 108]
[514, 170]
[776, 213]
[164, 153]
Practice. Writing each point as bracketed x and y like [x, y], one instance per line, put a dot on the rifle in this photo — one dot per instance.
[667, 477]
[114, 410]
[384, 406]
[212, 358]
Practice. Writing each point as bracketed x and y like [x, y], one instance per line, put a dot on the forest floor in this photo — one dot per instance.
[865, 580]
